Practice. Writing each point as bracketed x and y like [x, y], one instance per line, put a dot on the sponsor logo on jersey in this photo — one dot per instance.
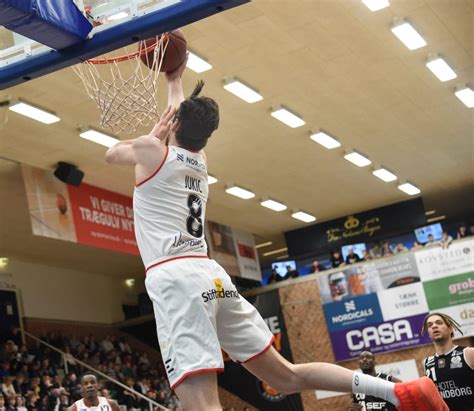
[218, 292]
[456, 362]
[196, 164]
[385, 333]
[179, 241]
[180, 157]
[449, 389]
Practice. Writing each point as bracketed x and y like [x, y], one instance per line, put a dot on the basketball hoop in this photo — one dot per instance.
[123, 87]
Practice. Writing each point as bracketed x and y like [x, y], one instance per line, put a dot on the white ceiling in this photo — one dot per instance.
[333, 62]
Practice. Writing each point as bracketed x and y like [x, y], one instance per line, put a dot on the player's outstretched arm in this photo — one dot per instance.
[175, 85]
[129, 152]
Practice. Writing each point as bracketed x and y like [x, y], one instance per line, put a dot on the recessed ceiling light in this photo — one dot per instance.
[430, 212]
[261, 245]
[280, 250]
[375, 5]
[305, 217]
[211, 179]
[357, 159]
[325, 140]
[197, 64]
[240, 192]
[242, 91]
[273, 205]
[98, 137]
[409, 189]
[384, 175]
[408, 35]
[287, 117]
[118, 16]
[466, 95]
[441, 69]
[38, 114]
[438, 218]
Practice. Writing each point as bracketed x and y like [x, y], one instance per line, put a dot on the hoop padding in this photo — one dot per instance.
[124, 89]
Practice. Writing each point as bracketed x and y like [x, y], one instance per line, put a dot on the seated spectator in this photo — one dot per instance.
[431, 242]
[366, 256]
[7, 387]
[462, 232]
[274, 277]
[290, 273]
[376, 251]
[471, 230]
[11, 403]
[400, 248]
[20, 404]
[316, 267]
[416, 245]
[446, 240]
[386, 250]
[336, 259]
[352, 257]
[2, 402]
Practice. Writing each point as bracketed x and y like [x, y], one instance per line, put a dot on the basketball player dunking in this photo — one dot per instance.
[90, 400]
[197, 308]
[451, 367]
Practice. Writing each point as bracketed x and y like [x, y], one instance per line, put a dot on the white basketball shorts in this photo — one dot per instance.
[198, 312]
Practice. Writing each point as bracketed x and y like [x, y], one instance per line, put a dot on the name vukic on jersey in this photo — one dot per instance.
[193, 184]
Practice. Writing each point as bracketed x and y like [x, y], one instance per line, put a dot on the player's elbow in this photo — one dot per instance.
[110, 156]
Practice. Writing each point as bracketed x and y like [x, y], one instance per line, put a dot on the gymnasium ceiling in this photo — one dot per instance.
[333, 62]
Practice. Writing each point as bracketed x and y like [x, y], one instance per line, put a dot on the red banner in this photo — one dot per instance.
[103, 218]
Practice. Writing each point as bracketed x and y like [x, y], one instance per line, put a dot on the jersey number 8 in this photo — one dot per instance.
[194, 221]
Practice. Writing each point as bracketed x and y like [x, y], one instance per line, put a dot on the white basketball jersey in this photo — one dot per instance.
[170, 207]
[102, 406]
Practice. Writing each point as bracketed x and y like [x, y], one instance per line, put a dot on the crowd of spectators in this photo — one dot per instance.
[36, 378]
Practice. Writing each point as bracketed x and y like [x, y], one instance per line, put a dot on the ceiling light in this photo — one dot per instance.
[261, 245]
[325, 140]
[3, 262]
[197, 64]
[384, 175]
[242, 91]
[287, 117]
[375, 5]
[307, 218]
[466, 95]
[440, 69]
[211, 179]
[130, 282]
[26, 109]
[430, 212]
[408, 35]
[280, 250]
[240, 192]
[410, 189]
[273, 205]
[283, 257]
[98, 137]
[358, 159]
[433, 219]
[118, 16]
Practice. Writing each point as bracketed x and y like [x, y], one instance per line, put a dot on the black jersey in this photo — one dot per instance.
[453, 377]
[374, 403]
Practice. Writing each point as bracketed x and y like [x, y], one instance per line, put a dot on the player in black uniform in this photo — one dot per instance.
[452, 367]
[368, 402]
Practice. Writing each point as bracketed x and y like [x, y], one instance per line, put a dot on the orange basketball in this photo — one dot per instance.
[175, 52]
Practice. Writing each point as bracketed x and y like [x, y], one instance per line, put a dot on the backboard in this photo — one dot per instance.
[117, 23]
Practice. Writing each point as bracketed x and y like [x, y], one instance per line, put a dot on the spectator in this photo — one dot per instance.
[63, 403]
[431, 242]
[2, 403]
[386, 250]
[274, 277]
[366, 256]
[290, 273]
[336, 259]
[400, 248]
[7, 387]
[376, 251]
[352, 257]
[316, 267]
[20, 404]
[416, 245]
[471, 230]
[462, 232]
[106, 344]
[446, 240]
[11, 403]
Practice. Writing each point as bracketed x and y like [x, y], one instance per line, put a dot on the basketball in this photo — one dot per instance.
[175, 52]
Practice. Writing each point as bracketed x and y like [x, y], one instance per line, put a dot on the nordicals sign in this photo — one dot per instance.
[382, 337]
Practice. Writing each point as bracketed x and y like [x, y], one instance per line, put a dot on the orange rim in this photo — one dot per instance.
[109, 60]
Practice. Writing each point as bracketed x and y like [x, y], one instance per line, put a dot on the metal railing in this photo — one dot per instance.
[66, 356]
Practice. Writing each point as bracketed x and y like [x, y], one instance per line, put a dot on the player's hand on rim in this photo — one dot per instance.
[162, 129]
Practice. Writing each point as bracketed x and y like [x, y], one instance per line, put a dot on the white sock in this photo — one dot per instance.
[366, 384]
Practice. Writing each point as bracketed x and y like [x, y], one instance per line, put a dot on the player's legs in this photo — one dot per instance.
[199, 392]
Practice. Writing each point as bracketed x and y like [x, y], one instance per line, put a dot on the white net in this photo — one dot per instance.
[123, 87]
